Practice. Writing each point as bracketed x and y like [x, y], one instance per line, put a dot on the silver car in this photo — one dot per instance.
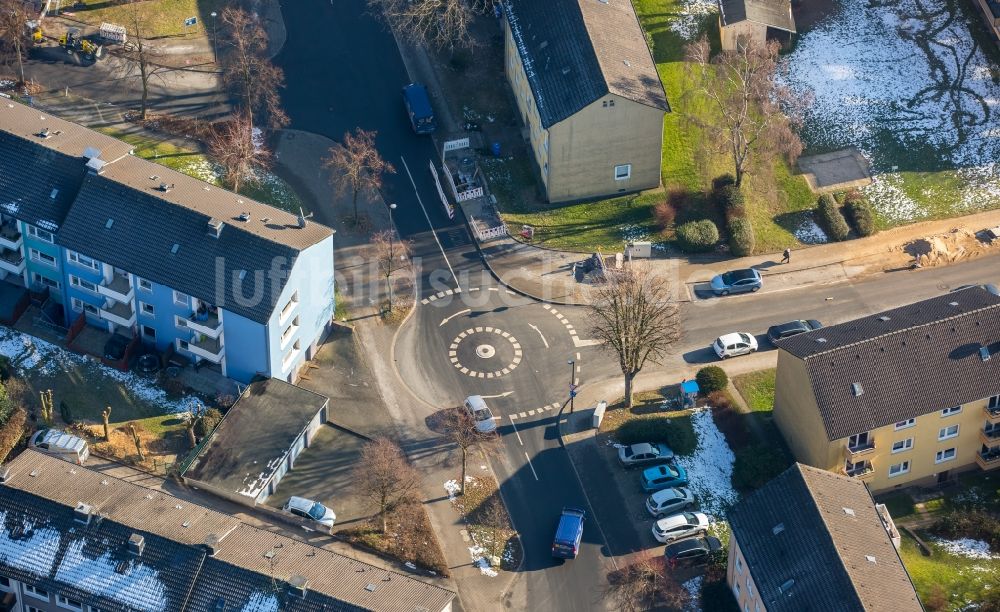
[311, 510]
[669, 501]
[481, 413]
[682, 525]
[643, 453]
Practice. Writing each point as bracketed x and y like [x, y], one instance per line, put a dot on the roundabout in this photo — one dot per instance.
[485, 352]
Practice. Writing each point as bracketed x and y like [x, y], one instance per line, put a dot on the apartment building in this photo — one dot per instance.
[910, 395]
[137, 249]
[588, 93]
[81, 541]
[814, 540]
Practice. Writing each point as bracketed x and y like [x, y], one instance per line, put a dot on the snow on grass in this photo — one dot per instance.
[710, 467]
[479, 560]
[967, 547]
[687, 21]
[693, 587]
[808, 232]
[453, 489]
[887, 195]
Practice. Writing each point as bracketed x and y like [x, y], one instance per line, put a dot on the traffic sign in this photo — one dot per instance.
[190, 21]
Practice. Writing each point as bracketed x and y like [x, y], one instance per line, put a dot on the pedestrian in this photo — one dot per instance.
[787, 256]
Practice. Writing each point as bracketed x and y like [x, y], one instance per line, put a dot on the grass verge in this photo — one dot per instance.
[166, 17]
[757, 388]
[946, 581]
[648, 421]
[410, 539]
[489, 524]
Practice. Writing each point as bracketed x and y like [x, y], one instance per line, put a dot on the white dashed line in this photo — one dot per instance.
[547, 306]
[531, 466]
[531, 413]
[522, 414]
[511, 417]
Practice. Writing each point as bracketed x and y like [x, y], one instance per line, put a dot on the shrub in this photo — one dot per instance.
[741, 237]
[831, 219]
[975, 525]
[757, 465]
[711, 378]
[859, 213]
[172, 386]
[664, 429]
[664, 214]
[65, 413]
[5, 368]
[207, 423]
[12, 432]
[731, 202]
[722, 181]
[731, 423]
[720, 399]
[697, 236]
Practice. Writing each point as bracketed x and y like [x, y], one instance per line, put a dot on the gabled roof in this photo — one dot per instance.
[772, 13]
[813, 540]
[124, 218]
[40, 174]
[575, 51]
[908, 361]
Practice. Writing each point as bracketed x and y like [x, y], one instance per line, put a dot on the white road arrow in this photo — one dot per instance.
[449, 318]
[504, 394]
[540, 334]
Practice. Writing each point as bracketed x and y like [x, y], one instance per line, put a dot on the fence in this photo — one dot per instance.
[491, 233]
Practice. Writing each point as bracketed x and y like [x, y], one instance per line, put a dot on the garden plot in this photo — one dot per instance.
[906, 83]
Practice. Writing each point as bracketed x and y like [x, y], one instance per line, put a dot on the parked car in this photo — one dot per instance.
[418, 108]
[481, 413]
[678, 526]
[566, 543]
[311, 510]
[737, 281]
[61, 444]
[987, 286]
[645, 452]
[792, 328]
[669, 501]
[731, 345]
[691, 550]
[663, 476]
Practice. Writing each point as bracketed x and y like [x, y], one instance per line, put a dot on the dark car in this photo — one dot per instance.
[566, 544]
[691, 550]
[785, 330]
[418, 108]
[737, 281]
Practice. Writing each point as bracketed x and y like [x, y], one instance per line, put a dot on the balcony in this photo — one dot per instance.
[10, 238]
[992, 414]
[119, 289]
[11, 261]
[209, 349]
[207, 324]
[858, 450]
[990, 437]
[989, 460]
[119, 314]
[861, 472]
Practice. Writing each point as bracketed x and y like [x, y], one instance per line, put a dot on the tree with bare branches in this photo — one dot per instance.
[438, 23]
[247, 69]
[755, 116]
[386, 477]
[14, 30]
[391, 254]
[357, 166]
[460, 429]
[242, 156]
[137, 56]
[645, 584]
[634, 317]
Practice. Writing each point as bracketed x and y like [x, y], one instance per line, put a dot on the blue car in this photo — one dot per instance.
[662, 477]
[737, 281]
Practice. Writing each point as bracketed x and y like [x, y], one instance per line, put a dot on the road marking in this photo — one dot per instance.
[540, 334]
[521, 442]
[464, 370]
[577, 369]
[578, 355]
[489, 329]
[581, 343]
[522, 414]
[494, 289]
[547, 306]
[504, 394]
[531, 466]
[428, 217]
[555, 405]
[450, 317]
[479, 330]
[449, 292]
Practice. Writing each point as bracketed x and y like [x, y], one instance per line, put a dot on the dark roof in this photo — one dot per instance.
[797, 528]
[575, 51]
[909, 361]
[772, 13]
[39, 176]
[146, 222]
[251, 442]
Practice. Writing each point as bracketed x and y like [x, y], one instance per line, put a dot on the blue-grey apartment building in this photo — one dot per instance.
[135, 248]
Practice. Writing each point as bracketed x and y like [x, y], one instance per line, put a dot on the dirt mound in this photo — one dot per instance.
[942, 249]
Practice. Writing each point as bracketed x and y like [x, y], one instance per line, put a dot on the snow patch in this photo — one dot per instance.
[967, 547]
[710, 467]
[479, 560]
[130, 582]
[453, 489]
[261, 602]
[693, 587]
[808, 232]
[29, 549]
[689, 16]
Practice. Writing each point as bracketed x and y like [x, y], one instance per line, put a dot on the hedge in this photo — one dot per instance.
[741, 236]
[208, 422]
[697, 236]
[859, 213]
[757, 465]
[664, 429]
[711, 379]
[831, 219]
[731, 202]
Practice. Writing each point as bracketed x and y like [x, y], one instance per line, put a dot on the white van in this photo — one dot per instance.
[61, 444]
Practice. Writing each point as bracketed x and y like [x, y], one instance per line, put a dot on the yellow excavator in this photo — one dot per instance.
[73, 42]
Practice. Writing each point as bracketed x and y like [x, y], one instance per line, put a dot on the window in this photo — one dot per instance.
[181, 299]
[83, 261]
[994, 402]
[36, 592]
[41, 234]
[902, 445]
[144, 284]
[899, 468]
[80, 283]
[40, 257]
[149, 332]
[905, 424]
[749, 587]
[946, 433]
[951, 411]
[4, 584]
[32, 609]
[147, 309]
[44, 280]
[623, 172]
[182, 345]
[739, 565]
[180, 322]
[69, 604]
[746, 607]
[81, 306]
[736, 589]
[944, 455]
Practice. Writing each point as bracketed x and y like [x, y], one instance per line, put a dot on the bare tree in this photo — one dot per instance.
[14, 30]
[243, 156]
[755, 117]
[460, 429]
[634, 317]
[386, 477]
[138, 57]
[246, 68]
[357, 166]
[495, 519]
[645, 584]
[391, 254]
[439, 23]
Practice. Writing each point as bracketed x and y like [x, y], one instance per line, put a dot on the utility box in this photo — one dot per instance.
[599, 413]
[640, 249]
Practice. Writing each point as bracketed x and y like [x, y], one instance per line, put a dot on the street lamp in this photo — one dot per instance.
[215, 37]
[572, 383]
[392, 231]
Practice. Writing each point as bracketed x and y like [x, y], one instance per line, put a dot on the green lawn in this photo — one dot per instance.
[757, 389]
[952, 580]
[650, 422]
[165, 17]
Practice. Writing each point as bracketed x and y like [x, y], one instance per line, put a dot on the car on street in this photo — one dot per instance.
[691, 550]
[643, 453]
[311, 510]
[678, 526]
[731, 345]
[566, 543]
[669, 501]
[737, 281]
[987, 286]
[663, 476]
[792, 328]
[418, 108]
[481, 414]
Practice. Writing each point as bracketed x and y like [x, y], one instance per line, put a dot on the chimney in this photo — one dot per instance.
[297, 585]
[136, 544]
[211, 544]
[82, 513]
[95, 165]
[164, 187]
[215, 227]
